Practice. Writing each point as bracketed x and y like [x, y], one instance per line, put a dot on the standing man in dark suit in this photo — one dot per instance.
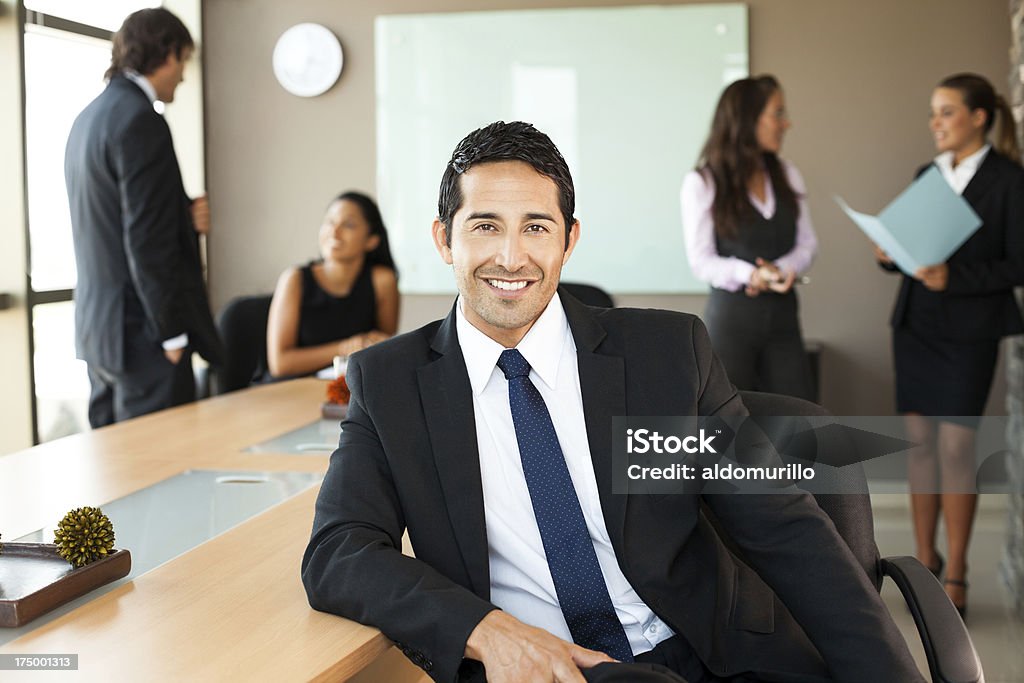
[140, 304]
[487, 436]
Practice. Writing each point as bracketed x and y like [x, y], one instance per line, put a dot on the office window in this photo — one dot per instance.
[67, 50]
[61, 382]
[106, 15]
[63, 73]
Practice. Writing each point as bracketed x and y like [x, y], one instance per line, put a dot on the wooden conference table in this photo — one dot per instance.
[232, 608]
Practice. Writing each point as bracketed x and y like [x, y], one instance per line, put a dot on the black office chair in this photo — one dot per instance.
[243, 328]
[947, 644]
[589, 294]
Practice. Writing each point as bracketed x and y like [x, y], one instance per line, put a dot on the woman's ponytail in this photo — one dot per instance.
[1006, 140]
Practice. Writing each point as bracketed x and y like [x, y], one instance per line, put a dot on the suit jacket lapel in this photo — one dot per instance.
[983, 179]
[447, 400]
[603, 385]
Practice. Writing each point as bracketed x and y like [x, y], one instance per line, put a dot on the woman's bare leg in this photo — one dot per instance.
[923, 475]
[959, 501]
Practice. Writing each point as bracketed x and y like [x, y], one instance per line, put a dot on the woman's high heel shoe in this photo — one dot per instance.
[962, 608]
[937, 569]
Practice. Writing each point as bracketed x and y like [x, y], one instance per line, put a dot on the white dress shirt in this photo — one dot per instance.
[959, 177]
[180, 341]
[728, 272]
[143, 82]
[521, 582]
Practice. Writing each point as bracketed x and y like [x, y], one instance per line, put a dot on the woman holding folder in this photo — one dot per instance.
[949, 318]
[748, 234]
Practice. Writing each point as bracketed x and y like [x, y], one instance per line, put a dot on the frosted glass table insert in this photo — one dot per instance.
[171, 517]
[317, 438]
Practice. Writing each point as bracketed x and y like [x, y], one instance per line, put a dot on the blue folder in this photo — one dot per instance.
[923, 226]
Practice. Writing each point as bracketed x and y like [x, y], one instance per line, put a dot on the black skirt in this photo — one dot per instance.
[942, 378]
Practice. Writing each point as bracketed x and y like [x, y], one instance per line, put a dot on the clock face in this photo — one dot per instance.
[307, 60]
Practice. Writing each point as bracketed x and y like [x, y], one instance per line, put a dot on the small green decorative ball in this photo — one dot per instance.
[83, 536]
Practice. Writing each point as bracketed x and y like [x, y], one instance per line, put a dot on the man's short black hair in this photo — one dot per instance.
[145, 40]
[500, 141]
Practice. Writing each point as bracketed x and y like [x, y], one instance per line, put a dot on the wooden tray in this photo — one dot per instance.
[34, 579]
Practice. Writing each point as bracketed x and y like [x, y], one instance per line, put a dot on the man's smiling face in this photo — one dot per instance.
[507, 247]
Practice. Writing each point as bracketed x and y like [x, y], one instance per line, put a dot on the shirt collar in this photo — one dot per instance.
[143, 82]
[541, 347]
[968, 165]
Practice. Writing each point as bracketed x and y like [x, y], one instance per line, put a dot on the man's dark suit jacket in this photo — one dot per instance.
[978, 302]
[139, 271]
[407, 459]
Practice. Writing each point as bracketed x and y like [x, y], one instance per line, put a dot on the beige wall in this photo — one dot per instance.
[185, 115]
[857, 74]
[15, 406]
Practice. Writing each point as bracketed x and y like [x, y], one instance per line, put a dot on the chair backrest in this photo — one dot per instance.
[589, 294]
[243, 327]
[850, 511]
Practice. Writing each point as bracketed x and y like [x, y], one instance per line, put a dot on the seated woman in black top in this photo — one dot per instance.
[340, 304]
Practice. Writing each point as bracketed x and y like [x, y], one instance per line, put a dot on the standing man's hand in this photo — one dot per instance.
[512, 651]
[174, 355]
[201, 214]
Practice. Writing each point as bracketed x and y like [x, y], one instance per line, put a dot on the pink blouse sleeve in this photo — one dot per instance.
[800, 257]
[723, 272]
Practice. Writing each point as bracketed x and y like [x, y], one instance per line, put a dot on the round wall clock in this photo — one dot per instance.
[307, 60]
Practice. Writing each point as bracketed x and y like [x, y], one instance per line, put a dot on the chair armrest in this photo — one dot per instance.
[947, 645]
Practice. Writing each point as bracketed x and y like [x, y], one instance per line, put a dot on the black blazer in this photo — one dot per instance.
[978, 303]
[407, 459]
[139, 271]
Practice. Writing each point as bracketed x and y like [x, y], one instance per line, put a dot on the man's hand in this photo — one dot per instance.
[201, 215]
[512, 651]
[174, 355]
[935, 278]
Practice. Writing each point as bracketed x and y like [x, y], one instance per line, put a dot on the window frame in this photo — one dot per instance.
[35, 297]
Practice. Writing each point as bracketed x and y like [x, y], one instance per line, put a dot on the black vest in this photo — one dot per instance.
[757, 236]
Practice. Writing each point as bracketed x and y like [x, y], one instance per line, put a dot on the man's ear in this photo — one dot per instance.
[441, 241]
[574, 236]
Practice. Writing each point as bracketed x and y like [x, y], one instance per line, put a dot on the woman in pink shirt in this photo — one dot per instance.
[748, 234]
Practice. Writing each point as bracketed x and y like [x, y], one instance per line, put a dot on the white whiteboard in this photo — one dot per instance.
[627, 94]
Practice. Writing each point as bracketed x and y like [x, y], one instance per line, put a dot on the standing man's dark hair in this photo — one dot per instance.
[145, 39]
[500, 141]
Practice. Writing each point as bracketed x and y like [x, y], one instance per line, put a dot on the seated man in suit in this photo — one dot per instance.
[488, 437]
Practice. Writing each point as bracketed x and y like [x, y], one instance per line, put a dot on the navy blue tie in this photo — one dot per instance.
[582, 592]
